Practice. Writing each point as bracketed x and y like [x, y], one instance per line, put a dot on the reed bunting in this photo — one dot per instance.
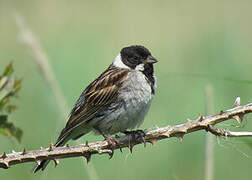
[116, 101]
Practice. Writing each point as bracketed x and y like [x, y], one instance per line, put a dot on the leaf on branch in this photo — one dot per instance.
[10, 107]
[8, 70]
[8, 129]
[9, 88]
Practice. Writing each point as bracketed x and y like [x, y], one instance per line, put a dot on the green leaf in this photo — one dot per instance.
[17, 85]
[3, 82]
[10, 107]
[8, 89]
[8, 129]
[8, 70]
[3, 102]
[3, 119]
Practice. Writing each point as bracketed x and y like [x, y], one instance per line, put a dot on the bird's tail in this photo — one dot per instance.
[44, 163]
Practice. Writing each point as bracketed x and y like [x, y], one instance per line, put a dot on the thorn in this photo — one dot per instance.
[144, 142]
[208, 127]
[221, 112]
[200, 118]
[156, 126]
[67, 145]
[38, 162]
[56, 162]
[111, 147]
[180, 138]
[87, 144]
[14, 151]
[88, 157]
[6, 165]
[24, 152]
[237, 102]
[3, 156]
[51, 147]
[120, 149]
[131, 148]
[111, 154]
[166, 134]
[41, 148]
[153, 142]
[238, 119]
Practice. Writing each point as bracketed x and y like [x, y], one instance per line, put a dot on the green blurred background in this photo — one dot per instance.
[196, 42]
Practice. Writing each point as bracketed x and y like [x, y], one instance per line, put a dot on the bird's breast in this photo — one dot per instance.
[136, 89]
[132, 105]
[137, 97]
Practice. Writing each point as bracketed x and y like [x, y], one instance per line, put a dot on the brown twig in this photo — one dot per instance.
[102, 147]
[227, 133]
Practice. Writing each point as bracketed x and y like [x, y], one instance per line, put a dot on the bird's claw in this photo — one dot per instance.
[112, 143]
[137, 136]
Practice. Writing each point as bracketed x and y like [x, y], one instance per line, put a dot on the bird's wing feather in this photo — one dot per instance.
[96, 97]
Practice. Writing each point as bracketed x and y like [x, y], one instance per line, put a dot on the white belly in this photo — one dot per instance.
[130, 113]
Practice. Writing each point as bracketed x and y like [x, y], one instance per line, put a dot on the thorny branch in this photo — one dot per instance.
[102, 147]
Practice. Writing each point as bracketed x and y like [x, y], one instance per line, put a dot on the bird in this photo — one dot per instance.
[116, 101]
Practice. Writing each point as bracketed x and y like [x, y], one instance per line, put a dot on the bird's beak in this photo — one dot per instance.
[151, 60]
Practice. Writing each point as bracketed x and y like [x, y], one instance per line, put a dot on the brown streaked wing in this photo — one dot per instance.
[97, 96]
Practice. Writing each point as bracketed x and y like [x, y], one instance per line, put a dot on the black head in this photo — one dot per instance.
[135, 55]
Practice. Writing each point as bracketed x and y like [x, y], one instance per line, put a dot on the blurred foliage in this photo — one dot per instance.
[9, 88]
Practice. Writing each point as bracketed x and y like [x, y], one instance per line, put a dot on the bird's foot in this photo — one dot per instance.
[137, 136]
[112, 142]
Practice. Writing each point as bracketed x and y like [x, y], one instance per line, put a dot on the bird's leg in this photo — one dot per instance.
[112, 142]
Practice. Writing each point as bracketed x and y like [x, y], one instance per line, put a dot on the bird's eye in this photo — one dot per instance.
[133, 60]
[136, 57]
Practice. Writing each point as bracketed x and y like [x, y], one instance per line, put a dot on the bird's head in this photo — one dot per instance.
[134, 57]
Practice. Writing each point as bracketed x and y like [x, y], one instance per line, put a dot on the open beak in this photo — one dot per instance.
[151, 60]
